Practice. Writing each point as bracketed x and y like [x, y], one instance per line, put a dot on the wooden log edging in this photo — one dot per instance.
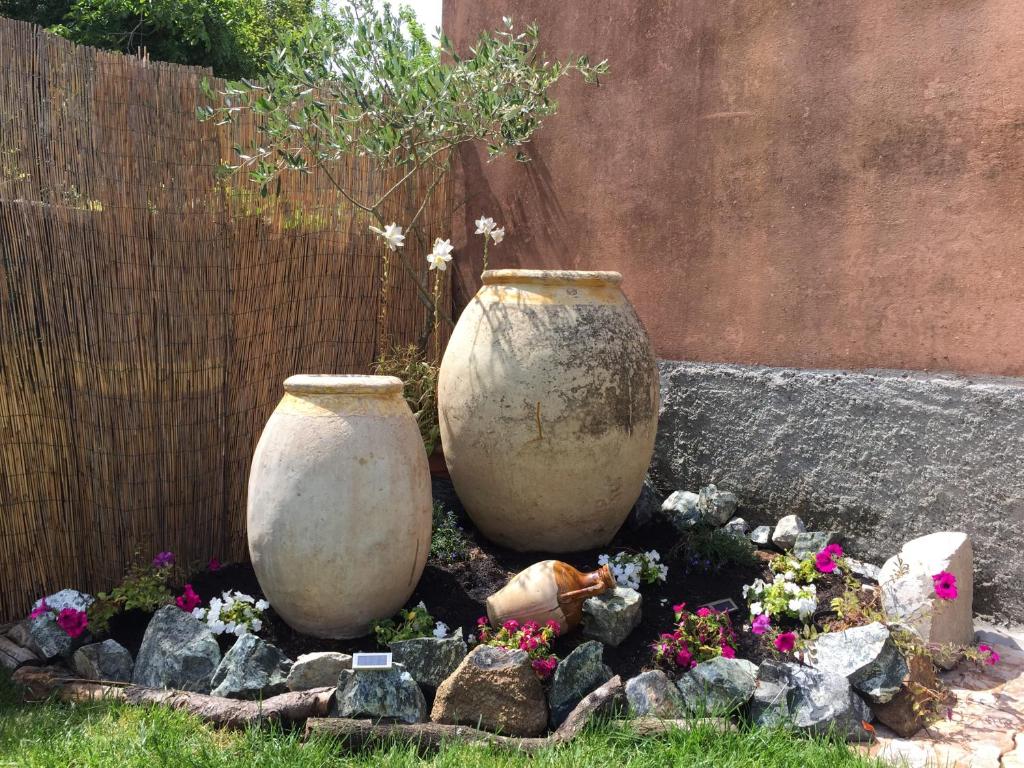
[310, 707]
[40, 683]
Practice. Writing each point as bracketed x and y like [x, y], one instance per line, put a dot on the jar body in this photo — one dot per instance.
[548, 591]
[339, 505]
[548, 406]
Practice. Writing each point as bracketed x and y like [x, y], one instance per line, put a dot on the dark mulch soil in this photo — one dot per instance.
[454, 592]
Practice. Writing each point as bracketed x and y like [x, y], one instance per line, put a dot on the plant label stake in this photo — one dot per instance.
[371, 661]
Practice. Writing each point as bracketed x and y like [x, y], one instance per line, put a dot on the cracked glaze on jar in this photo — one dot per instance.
[548, 403]
[339, 510]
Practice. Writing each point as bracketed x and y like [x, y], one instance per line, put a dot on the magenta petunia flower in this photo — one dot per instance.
[728, 652]
[41, 610]
[702, 612]
[945, 585]
[785, 642]
[511, 625]
[188, 600]
[482, 621]
[991, 655]
[761, 624]
[683, 658]
[824, 562]
[554, 626]
[213, 565]
[72, 621]
[679, 608]
[163, 560]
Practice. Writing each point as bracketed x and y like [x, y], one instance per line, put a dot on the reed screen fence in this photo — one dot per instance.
[150, 309]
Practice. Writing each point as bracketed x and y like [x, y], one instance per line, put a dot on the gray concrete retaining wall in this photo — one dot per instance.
[882, 456]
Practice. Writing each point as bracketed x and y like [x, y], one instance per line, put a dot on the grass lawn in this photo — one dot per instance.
[99, 735]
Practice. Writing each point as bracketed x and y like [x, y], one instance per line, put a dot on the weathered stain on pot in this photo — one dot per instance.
[548, 398]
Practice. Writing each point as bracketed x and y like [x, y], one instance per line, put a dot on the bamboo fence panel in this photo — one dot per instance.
[149, 311]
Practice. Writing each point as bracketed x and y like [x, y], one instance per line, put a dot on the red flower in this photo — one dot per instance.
[213, 565]
[72, 621]
[482, 621]
[992, 657]
[679, 608]
[945, 585]
[785, 642]
[188, 600]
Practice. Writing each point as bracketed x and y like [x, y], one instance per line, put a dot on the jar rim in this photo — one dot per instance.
[342, 384]
[550, 277]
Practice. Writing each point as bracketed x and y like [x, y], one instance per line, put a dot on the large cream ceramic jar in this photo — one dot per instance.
[339, 504]
[548, 402]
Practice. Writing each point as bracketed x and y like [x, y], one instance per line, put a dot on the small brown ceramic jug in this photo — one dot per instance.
[548, 590]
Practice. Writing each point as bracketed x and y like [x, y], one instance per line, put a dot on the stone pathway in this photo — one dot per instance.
[987, 725]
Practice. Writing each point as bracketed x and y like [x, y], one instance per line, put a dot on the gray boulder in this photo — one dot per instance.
[866, 656]
[380, 694]
[786, 530]
[578, 674]
[178, 651]
[108, 661]
[646, 507]
[612, 616]
[680, 508]
[737, 527]
[430, 660]
[762, 535]
[718, 686]
[46, 638]
[908, 591]
[812, 542]
[251, 669]
[862, 570]
[317, 670]
[716, 507]
[809, 699]
[652, 694]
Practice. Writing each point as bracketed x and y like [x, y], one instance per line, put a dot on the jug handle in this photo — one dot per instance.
[593, 589]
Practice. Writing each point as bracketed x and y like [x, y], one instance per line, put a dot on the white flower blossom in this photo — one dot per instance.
[392, 235]
[440, 630]
[441, 255]
[498, 234]
[485, 225]
[756, 609]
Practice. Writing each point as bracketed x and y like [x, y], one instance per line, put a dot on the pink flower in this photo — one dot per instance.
[679, 608]
[702, 612]
[554, 626]
[41, 610]
[785, 642]
[945, 585]
[824, 562]
[511, 626]
[992, 656]
[213, 565]
[834, 550]
[683, 659]
[482, 621]
[163, 560]
[728, 652]
[761, 624]
[72, 621]
[188, 600]
[544, 667]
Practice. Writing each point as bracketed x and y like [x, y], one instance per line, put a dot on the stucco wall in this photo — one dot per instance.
[810, 184]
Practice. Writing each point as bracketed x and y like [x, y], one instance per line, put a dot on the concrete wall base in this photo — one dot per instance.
[881, 456]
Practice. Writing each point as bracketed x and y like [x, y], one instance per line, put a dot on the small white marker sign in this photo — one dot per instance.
[371, 661]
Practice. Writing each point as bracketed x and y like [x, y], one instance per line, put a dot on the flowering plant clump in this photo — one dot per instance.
[630, 570]
[529, 636]
[145, 587]
[801, 571]
[233, 613]
[782, 597]
[988, 654]
[406, 625]
[697, 637]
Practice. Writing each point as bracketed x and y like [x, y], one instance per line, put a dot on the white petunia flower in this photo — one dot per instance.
[441, 255]
[756, 609]
[392, 235]
[262, 605]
